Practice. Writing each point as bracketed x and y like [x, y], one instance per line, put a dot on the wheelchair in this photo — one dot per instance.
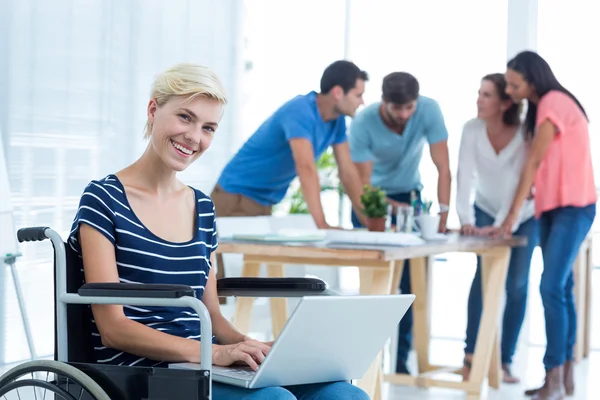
[74, 373]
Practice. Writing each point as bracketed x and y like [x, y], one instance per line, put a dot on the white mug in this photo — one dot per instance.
[428, 225]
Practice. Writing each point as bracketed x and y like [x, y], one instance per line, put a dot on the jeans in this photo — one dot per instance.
[406, 323]
[517, 281]
[316, 391]
[562, 231]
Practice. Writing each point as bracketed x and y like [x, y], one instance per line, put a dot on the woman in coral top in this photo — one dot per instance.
[559, 173]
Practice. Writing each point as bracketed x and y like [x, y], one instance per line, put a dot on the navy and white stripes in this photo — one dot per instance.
[144, 258]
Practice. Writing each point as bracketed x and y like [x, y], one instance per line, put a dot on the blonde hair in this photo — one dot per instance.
[186, 80]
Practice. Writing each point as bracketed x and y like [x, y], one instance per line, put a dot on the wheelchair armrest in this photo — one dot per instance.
[32, 234]
[271, 287]
[130, 290]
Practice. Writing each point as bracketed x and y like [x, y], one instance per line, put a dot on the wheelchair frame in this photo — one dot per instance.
[153, 295]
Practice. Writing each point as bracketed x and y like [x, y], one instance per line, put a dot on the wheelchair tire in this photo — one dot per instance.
[63, 369]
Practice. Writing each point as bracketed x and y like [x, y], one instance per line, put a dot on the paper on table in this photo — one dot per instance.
[284, 235]
[314, 233]
[374, 238]
[356, 237]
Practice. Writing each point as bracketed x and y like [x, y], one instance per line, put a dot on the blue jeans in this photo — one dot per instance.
[315, 391]
[517, 281]
[406, 323]
[562, 231]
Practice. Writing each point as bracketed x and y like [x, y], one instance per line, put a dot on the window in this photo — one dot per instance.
[79, 77]
[574, 62]
[448, 56]
[564, 34]
[288, 45]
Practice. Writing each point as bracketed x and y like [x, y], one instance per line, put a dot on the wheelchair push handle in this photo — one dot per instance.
[32, 234]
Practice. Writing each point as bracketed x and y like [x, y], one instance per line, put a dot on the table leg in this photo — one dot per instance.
[496, 264]
[494, 375]
[378, 281]
[278, 304]
[242, 316]
[396, 277]
[420, 311]
[221, 274]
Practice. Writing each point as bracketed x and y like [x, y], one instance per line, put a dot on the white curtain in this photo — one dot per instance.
[75, 79]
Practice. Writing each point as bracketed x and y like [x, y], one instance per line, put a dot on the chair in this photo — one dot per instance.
[76, 372]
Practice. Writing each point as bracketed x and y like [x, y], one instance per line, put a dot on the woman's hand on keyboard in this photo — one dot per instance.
[268, 344]
[251, 352]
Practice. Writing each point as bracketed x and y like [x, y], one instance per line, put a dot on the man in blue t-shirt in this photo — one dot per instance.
[288, 144]
[386, 144]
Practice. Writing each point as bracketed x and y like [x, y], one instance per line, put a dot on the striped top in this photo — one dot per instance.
[143, 258]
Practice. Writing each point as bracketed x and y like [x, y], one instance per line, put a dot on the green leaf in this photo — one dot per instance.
[374, 202]
[327, 168]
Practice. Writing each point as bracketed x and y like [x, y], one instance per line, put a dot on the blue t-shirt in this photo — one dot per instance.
[396, 158]
[264, 166]
[143, 258]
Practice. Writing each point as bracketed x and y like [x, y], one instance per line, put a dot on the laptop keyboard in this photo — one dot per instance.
[237, 372]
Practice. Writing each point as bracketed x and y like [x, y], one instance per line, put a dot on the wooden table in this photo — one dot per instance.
[380, 269]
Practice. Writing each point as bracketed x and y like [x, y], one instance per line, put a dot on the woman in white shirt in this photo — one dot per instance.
[492, 153]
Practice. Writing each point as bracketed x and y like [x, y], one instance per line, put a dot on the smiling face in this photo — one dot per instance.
[517, 87]
[489, 103]
[182, 129]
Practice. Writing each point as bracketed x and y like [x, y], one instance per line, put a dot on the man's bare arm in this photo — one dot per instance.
[365, 170]
[350, 177]
[304, 158]
[439, 155]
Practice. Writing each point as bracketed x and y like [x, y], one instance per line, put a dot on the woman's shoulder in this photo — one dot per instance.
[522, 130]
[106, 185]
[554, 95]
[562, 109]
[555, 99]
[204, 202]
[100, 203]
[107, 190]
[473, 127]
[206, 210]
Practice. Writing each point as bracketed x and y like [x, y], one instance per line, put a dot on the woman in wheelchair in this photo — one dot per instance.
[143, 225]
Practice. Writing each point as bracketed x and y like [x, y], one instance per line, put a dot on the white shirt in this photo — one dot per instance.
[494, 177]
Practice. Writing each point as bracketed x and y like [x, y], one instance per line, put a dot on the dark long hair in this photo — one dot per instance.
[537, 72]
[511, 115]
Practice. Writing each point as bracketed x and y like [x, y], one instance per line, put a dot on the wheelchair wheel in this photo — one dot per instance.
[34, 379]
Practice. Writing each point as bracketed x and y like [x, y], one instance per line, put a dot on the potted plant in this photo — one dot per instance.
[374, 207]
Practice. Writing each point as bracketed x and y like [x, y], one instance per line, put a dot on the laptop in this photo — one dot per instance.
[326, 339]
